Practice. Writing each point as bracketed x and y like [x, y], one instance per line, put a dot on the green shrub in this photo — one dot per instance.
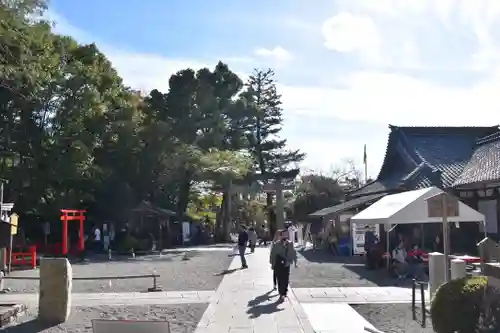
[456, 306]
[127, 244]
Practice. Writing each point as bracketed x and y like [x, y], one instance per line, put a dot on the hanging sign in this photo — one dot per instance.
[13, 223]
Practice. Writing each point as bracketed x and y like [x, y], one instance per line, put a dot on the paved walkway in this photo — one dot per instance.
[356, 295]
[243, 302]
[335, 318]
[120, 299]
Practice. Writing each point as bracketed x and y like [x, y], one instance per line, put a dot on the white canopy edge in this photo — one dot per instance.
[411, 208]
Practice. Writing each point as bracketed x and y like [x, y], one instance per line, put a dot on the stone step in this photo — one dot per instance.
[132, 298]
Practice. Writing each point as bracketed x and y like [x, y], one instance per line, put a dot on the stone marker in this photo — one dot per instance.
[492, 269]
[2, 280]
[56, 277]
[436, 272]
[458, 269]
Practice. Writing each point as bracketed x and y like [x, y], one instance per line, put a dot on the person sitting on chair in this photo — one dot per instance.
[416, 262]
[399, 261]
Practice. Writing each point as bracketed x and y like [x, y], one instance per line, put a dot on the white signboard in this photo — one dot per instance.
[129, 326]
[186, 231]
[489, 209]
[358, 236]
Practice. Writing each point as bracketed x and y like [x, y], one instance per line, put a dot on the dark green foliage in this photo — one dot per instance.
[73, 136]
[315, 192]
[456, 306]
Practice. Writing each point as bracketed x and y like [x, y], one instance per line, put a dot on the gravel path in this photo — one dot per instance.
[320, 269]
[393, 318]
[199, 272]
[80, 320]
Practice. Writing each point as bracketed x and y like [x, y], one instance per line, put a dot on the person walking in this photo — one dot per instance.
[263, 237]
[242, 245]
[252, 239]
[275, 239]
[282, 255]
[370, 242]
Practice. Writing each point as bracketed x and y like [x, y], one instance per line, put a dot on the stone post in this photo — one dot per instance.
[458, 269]
[280, 205]
[56, 277]
[437, 274]
[3, 259]
[492, 269]
[2, 281]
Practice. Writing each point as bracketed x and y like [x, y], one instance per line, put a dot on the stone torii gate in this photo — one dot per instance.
[273, 183]
[277, 186]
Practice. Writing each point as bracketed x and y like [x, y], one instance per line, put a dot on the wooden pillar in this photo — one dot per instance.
[228, 221]
[280, 205]
[64, 219]
[81, 239]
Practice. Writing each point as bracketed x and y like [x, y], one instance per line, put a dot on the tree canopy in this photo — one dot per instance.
[74, 136]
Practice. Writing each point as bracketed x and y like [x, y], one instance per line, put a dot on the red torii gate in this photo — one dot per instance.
[72, 215]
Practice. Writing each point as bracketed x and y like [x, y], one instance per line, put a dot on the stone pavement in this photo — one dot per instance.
[120, 299]
[356, 295]
[244, 302]
[335, 318]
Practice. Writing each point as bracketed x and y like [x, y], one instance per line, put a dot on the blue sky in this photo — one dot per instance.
[346, 68]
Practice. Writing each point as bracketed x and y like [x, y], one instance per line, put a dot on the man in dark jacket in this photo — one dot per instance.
[370, 247]
[242, 245]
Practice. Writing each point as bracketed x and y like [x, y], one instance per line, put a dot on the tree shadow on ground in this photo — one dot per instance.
[32, 326]
[325, 256]
[356, 264]
[100, 260]
[381, 277]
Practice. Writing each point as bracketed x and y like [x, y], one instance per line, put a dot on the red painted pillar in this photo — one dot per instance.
[81, 243]
[64, 234]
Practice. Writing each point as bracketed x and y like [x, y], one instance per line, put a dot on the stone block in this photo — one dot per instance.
[56, 277]
[437, 274]
[492, 269]
[3, 259]
[458, 269]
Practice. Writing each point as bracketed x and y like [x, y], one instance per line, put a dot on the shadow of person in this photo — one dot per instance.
[227, 271]
[258, 310]
[260, 299]
[32, 326]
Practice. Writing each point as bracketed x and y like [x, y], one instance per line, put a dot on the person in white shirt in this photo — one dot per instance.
[96, 233]
[399, 257]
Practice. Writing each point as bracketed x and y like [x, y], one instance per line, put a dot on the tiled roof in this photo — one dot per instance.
[447, 149]
[347, 205]
[419, 157]
[484, 164]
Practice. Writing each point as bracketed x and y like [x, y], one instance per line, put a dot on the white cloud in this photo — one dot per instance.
[398, 27]
[400, 100]
[277, 54]
[380, 91]
[348, 33]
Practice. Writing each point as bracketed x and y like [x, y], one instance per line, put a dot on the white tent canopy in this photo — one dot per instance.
[411, 207]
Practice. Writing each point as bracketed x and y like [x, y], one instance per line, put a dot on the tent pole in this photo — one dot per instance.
[446, 237]
[388, 248]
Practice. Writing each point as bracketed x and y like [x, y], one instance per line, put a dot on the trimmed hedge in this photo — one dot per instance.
[456, 306]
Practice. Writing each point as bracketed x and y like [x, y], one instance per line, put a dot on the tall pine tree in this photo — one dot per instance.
[263, 124]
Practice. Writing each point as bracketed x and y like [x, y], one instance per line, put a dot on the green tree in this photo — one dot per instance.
[315, 192]
[263, 122]
[197, 111]
[73, 136]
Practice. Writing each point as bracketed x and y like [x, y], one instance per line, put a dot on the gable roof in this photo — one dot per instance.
[425, 156]
[484, 165]
[347, 205]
